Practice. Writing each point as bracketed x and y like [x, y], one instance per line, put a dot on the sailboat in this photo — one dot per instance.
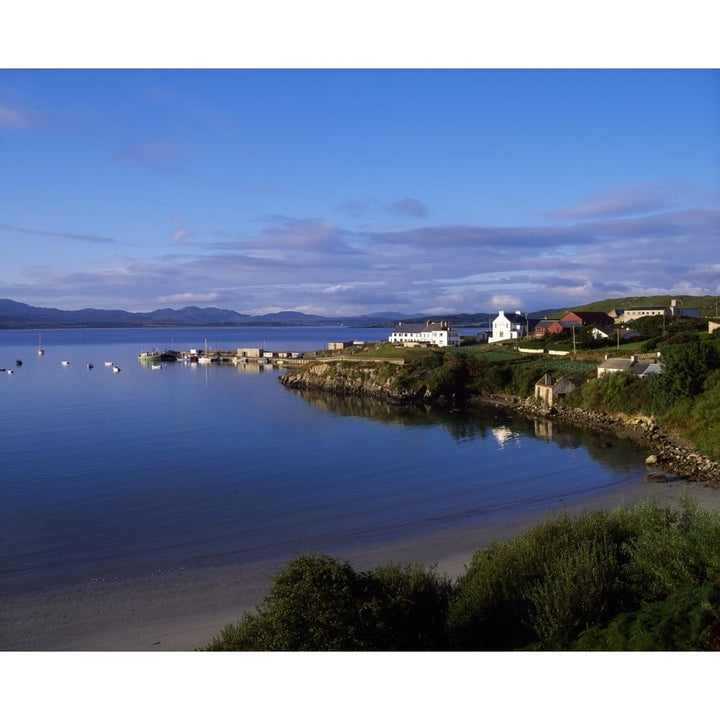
[40, 348]
[204, 359]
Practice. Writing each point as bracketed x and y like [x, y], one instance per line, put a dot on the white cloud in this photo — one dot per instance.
[505, 302]
[294, 263]
[189, 297]
[14, 117]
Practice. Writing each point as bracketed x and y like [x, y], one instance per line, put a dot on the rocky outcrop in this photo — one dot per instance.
[368, 378]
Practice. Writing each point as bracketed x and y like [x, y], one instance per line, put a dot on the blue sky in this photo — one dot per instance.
[357, 191]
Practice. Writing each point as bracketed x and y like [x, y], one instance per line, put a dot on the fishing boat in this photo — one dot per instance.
[108, 363]
[154, 354]
[116, 369]
[90, 366]
[40, 347]
[64, 362]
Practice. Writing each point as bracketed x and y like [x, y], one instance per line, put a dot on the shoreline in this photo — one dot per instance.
[182, 610]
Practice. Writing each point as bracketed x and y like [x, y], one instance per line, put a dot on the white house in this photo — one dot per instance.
[513, 327]
[432, 333]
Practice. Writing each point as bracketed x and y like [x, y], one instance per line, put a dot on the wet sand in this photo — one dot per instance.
[184, 609]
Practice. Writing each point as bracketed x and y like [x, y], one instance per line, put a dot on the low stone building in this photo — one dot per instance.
[548, 389]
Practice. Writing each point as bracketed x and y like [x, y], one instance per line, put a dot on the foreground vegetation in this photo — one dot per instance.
[643, 578]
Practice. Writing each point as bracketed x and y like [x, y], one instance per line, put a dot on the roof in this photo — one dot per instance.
[421, 327]
[617, 364]
[595, 318]
[513, 318]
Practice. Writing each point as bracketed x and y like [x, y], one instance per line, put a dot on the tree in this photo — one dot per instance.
[319, 603]
[685, 370]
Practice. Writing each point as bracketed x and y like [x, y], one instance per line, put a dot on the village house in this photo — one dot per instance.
[548, 389]
[641, 365]
[513, 327]
[587, 318]
[430, 333]
[572, 319]
[553, 326]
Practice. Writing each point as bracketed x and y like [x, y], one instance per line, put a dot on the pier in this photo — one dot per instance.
[261, 356]
[238, 356]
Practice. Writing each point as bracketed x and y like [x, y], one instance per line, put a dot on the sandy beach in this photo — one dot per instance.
[183, 609]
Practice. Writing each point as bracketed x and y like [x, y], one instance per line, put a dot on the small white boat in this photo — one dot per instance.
[205, 358]
[64, 362]
[155, 367]
[116, 368]
[108, 363]
[40, 348]
[9, 371]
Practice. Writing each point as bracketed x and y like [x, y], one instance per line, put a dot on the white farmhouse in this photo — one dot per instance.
[508, 328]
[432, 333]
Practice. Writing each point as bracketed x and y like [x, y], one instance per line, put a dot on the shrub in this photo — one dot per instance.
[687, 620]
[686, 367]
[319, 603]
[613, 392]
[541, 587]
[684, 551]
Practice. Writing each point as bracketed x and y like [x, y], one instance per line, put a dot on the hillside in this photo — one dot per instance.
[706, 304]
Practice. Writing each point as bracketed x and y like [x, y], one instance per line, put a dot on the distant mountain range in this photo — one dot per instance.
[19, 315]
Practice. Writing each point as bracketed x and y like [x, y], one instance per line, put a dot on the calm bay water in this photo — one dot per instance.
[108, 474]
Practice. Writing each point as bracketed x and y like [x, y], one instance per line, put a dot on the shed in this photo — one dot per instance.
[548, 390]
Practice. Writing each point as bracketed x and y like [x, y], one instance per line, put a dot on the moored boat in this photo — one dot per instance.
[153, 355]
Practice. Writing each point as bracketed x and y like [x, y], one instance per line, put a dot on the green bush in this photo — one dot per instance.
[686, 368]
[704, 418]
[540, 587]
[687, 620]
[319, 603]
[613, 392]
[683, 551]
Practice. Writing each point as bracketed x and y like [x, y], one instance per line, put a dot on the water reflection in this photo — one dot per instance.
[508, 428]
